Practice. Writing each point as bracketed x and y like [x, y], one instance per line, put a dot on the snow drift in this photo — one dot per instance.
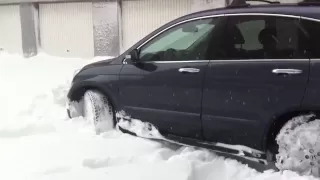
[37, 141]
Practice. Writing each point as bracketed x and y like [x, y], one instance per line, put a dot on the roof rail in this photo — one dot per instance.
[243, 3]
[309, 2]
[266, 1]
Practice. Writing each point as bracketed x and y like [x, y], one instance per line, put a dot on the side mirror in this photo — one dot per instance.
[133, 56]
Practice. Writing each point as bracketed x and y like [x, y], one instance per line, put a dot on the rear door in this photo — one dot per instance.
[259, 71]
[312, 97]
[165, 86]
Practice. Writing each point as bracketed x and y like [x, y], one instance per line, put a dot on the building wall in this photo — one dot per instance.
[87, 29]
[199, 5]
[66, 29]
[10, 29]
[29, 29]
[139, 18]
[106, 28]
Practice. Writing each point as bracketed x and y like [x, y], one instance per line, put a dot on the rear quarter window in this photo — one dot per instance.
[312, 29]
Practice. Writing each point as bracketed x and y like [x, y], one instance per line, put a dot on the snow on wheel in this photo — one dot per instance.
[98, 110]
[299, 146]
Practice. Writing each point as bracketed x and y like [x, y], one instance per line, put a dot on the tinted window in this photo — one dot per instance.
[187, 41]
[262, 37]
[313, 41]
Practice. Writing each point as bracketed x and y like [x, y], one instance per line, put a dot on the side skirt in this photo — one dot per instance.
[215, 147]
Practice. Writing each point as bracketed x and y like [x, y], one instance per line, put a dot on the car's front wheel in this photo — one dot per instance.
[299, 146]
[95, 108]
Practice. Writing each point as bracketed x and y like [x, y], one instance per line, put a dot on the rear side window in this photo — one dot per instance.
[262, 37]
[313, 34]
[250, 31]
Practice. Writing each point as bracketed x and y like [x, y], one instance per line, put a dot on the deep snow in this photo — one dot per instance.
[37, 141]
[299, 132]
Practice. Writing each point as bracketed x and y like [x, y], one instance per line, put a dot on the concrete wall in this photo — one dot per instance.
[28, 18]
[198, 5]
[45, 1]
[106, 28]
[26, 1]
[10, 29]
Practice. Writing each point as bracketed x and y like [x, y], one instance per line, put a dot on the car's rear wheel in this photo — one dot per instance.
[299, 146]
[95, 108]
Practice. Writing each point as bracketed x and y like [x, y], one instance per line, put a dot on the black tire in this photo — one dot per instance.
[299, 146]
[98, 110]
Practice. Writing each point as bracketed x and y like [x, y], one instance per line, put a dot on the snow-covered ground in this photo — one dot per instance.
[37, 141]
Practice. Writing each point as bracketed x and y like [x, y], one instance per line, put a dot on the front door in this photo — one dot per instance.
[260, 71]
[165, 86]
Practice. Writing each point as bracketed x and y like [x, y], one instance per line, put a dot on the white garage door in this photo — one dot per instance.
[66, 29]
[10, 29]
[142, 17]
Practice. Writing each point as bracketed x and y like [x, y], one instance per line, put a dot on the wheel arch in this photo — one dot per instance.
[77, 91]
[279, 120]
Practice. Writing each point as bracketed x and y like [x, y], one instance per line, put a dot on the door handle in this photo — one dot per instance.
[189, 70]
[286, 71]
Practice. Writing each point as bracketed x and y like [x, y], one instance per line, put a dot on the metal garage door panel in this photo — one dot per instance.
[66, 29]
[10, 29]
[142, 17]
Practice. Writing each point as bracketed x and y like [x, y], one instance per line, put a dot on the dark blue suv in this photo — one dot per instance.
[243, 80]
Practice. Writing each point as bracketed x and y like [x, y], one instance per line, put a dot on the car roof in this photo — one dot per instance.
[293, 9]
